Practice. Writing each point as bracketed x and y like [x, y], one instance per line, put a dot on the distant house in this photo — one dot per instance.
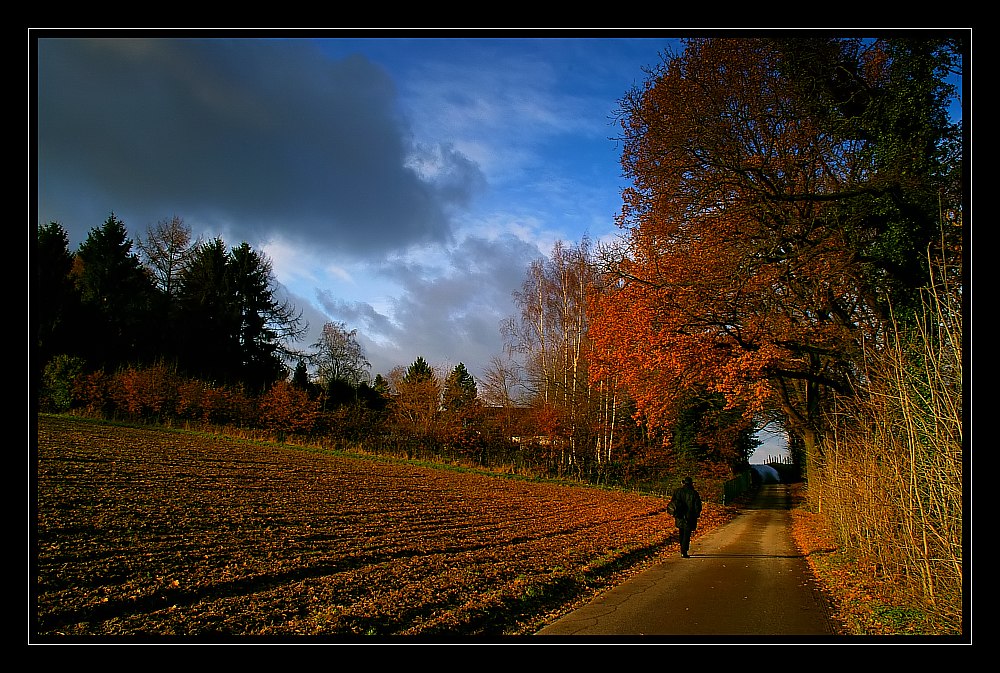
[519, 425]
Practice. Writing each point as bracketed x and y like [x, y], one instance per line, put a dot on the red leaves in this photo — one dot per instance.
[739, 273]
[288, 409]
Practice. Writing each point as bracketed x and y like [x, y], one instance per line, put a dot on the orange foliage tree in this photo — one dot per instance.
[286, 408]
[415, 398]
[768, 226]
[146, 392]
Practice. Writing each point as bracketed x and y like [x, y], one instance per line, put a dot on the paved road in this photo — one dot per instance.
[746, 578]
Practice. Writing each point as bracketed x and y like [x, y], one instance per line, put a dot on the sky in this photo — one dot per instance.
[399, 182]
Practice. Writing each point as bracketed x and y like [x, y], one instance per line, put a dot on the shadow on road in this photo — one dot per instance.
[745, 578]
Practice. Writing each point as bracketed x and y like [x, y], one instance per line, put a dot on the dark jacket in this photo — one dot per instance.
[685, 505]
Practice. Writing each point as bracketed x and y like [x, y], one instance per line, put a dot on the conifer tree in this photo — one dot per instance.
[54, 301]
[117, 296]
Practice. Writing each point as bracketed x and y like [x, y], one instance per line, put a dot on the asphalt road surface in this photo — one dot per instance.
[744, 580]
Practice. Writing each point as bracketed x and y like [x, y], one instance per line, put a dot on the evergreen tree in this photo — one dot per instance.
[235, 330]
[300, 377]
[260, 317]
[375, 395]
[419, 371]
[54, 301]
[459, 390]
[116, 294]
[208, 324]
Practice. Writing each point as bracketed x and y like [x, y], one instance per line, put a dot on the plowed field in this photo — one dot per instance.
[151, 534]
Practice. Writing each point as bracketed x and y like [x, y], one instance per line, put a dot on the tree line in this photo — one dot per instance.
[789, 197]
[170, 329]
[213, 312]
[791, 254]
[167, 328]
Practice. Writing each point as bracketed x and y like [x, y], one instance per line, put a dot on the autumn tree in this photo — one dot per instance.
[783, 192]
[285, 407]
[416, 397]
[551, 335]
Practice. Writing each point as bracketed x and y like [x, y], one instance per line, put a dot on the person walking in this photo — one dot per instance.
[685, 505]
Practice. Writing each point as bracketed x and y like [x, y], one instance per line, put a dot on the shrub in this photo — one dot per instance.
[93, 392]
[286, 408]
[225, 405]
[148, 393]
[188, 400]
[59, 382]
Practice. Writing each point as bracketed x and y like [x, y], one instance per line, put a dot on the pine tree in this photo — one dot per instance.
[459, 390]
[117, 296]
[54, 301]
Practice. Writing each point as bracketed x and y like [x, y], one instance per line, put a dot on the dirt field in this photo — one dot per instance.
[149, 534]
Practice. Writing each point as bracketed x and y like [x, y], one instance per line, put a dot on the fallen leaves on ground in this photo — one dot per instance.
[861, 601]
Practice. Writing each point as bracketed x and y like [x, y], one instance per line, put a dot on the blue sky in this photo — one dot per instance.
[400, 183]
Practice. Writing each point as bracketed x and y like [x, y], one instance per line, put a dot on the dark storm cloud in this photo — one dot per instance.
[252, 137]
[356, 313]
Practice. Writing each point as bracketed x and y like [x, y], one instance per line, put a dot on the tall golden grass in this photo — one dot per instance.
[893, 475]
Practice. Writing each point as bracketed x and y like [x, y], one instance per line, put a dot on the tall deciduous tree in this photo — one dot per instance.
[167, 251]
[341, 365]
[501, 383]
[339, 356]
[783, 192]
[551, 334]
